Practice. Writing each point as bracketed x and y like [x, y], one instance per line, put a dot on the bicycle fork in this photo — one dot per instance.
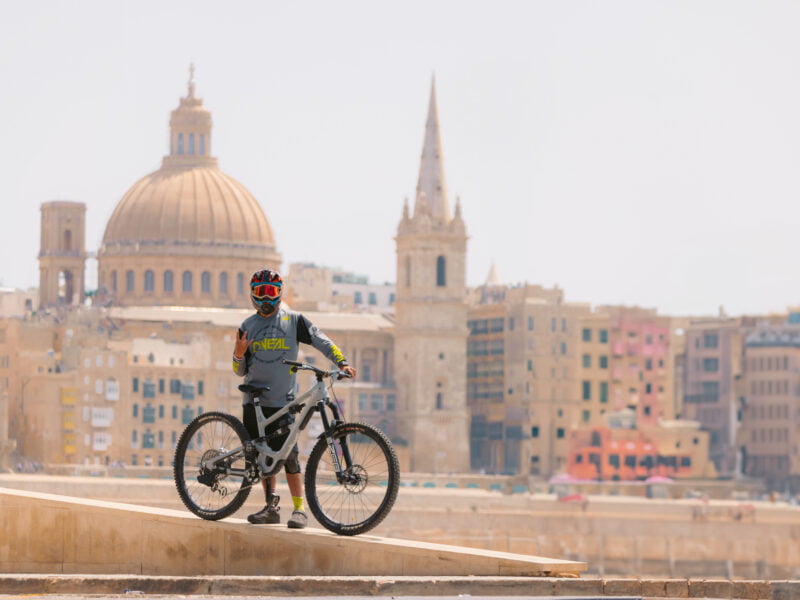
[342, 475]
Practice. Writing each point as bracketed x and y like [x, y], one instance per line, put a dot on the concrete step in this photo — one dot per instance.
[46, 533]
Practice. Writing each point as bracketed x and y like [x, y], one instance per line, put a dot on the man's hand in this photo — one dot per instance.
[351, 371]
[241, 344]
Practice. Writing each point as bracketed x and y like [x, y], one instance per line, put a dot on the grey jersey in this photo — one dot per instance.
[273, 339]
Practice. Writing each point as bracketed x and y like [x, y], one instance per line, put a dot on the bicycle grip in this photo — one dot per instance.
[294, 363]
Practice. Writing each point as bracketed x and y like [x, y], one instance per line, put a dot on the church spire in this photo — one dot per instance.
[431, 186]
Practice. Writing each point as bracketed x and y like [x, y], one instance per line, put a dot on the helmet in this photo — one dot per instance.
[265, 289]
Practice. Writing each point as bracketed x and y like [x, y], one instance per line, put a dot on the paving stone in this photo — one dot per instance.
[654, 588]
[785, 590]
[710, 588]
[677, 588]
[622, 587]
[578, 587]
[751, 590]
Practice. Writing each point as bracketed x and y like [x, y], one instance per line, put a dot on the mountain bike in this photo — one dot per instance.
[352, 474]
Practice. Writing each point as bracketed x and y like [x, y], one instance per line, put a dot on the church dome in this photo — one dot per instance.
[188, 205]
[186, 234]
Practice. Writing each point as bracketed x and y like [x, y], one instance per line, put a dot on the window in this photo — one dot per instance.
[169, 281]
[366, 373]
[390, 401]
[362, 402]
[358, 298]
[711, 365]
[603, 391]
[560, 432]
[191, 143]
[148, 389]
[135, 384]
[376, 402]
[187, 281]
[613, 460]
[149, 414]
[160, 386]
[113, 281]
[372, 299]
[441, 271]
[174, 412]
[604, 336]
[205, 282]
[174, 386]
[199, 388]
[129, 281]
[180, 143]
[648, 388]
[148, 439]
[603, 362]
[240, 283]
[710, 340]
[187, 391]
[530, 323]
[391, 298]
[586, 334]
[439, 401]
[530, 364]
[586, 416]
[563, 347]
[187, 414]
[587, 390]
[160, 411]
[149, 281]
[223, 283]
[686, 461]
[535, 431]
[496, 325]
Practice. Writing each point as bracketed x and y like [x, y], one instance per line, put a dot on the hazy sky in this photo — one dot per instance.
[631, 152]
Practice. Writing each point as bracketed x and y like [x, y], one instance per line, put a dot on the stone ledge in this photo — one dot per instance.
[400, 586]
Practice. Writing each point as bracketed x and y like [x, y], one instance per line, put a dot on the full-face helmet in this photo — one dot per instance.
[266, 286]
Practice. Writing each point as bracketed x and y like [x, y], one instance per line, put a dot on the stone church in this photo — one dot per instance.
[116, 380]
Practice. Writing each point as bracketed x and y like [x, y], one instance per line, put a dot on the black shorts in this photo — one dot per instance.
[251, 424]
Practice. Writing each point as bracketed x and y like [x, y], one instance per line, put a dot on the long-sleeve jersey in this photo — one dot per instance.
[273, 339]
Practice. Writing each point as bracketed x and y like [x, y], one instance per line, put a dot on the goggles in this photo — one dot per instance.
[266, 290]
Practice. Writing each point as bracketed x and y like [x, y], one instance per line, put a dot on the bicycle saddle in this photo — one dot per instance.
[253, 389]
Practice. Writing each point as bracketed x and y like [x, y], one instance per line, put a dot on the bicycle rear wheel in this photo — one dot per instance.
[369, 490]
[211, 494]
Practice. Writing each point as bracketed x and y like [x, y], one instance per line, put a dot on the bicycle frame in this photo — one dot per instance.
[271, 461]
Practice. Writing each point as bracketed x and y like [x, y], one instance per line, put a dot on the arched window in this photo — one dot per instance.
[205, 282]
[408, 271]
[113, 281]
[441, 271]
[439, 401]
[187, 281]
[68, 240]
[129, 281]
[149, 281]
[240, 283]
[180, 143]
[223, 283]
[191, 143]
[169, 281]
[202, 144]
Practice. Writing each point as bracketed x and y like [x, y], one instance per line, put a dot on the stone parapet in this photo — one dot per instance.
[402, 586]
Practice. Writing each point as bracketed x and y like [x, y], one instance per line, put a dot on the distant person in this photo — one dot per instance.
[264, 339]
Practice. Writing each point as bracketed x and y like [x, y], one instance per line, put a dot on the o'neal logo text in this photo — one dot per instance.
[270, 344]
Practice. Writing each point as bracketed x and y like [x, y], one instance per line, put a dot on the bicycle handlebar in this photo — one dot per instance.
[300, 366]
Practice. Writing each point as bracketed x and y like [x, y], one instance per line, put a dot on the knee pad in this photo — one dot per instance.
[292, 464]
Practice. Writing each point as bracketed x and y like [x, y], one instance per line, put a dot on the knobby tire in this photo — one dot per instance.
[225, 432]
[352, 509]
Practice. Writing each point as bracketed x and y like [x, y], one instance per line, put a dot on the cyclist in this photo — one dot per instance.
[264, 339]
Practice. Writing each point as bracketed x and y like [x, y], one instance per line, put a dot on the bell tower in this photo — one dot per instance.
[431, 318]
[62, 253]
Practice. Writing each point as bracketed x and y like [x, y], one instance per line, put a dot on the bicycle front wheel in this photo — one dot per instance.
[369, 483]
[214, 493]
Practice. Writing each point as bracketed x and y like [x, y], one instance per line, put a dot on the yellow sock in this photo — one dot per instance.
[298, 503]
